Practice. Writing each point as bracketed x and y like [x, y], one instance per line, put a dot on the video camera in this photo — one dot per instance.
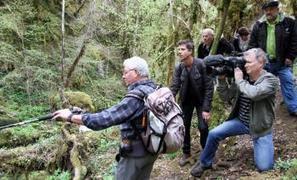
[220, 65]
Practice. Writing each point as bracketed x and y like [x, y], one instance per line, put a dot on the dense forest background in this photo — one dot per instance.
[56, 53]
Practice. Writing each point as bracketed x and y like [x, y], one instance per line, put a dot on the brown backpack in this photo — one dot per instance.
[162, 122]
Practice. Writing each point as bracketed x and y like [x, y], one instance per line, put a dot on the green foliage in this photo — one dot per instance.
[286, 164]
[101, 146]
[283, 164]
[289, 167]
[60, 175]
[27, 111]
[105, 144]
[8, 57]
[108, 177]
[105, 92]
[30, 70]
[172, 156]
[110, 173]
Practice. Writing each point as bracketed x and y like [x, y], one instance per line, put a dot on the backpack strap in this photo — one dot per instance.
[134, 95]
[143, 120]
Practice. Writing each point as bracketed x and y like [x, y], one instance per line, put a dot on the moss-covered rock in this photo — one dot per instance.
[74, 98]
[47, 154]
[25, 135]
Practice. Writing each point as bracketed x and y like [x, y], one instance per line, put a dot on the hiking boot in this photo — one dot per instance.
[184, 160]
[198, 170]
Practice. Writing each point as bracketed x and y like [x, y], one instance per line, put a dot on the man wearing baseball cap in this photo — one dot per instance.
[276, 34]
[271, 3]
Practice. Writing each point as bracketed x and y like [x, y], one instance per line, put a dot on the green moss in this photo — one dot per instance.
[219, 111]
[75, 98]
[27, 134]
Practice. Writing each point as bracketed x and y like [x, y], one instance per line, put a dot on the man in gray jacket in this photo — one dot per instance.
[253, 113]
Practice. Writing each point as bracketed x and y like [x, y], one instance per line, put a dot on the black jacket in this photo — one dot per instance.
[236, 46]
[286, 37]
[224, 47]
[203, 84]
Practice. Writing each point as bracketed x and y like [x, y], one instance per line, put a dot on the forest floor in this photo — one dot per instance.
[234, 158]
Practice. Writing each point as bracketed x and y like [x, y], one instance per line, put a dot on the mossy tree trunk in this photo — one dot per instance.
[195, 9]
[294, 7]
[62, 87]
[79, 169]
[171, 41]
[126, 35]
[223, 11]
[76, 61]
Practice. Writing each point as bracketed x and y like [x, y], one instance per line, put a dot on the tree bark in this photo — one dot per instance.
[62, 88]
[171, 42]
[72, 68]
[294, 7]
[195, 7]
[223, 11]
[82, 4]
[80, 170]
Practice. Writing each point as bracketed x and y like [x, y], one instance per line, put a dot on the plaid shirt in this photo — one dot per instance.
[128, 109]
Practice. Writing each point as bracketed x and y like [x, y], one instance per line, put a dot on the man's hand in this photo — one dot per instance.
[238, 74]
[288, 62]
[62, 114]
[206, 116]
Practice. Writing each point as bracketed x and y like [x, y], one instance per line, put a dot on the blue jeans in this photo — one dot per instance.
[289, 91]
[263, 146]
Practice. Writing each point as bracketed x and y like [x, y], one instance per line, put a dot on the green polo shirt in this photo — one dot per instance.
[270, 43]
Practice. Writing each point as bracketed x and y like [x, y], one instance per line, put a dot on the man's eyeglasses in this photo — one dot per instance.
[127, 71]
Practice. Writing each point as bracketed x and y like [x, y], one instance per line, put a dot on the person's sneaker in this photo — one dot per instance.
[184, 159]
[198, 170]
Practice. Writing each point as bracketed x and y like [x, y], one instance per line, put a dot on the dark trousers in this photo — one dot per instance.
[188, 109]
[135, 167]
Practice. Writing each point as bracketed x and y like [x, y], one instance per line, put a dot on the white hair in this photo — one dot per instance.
[138, 64]
[208, 31]
[259, 54]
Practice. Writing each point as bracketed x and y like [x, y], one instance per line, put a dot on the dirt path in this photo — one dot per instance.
[235, 160]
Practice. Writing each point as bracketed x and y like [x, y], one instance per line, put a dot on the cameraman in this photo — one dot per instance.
[252, 113]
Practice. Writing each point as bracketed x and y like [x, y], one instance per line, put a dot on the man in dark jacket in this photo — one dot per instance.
[252, 113]
[241, 43]
[204, 47]
[195, 91]
[277, 36]
[134, 162]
